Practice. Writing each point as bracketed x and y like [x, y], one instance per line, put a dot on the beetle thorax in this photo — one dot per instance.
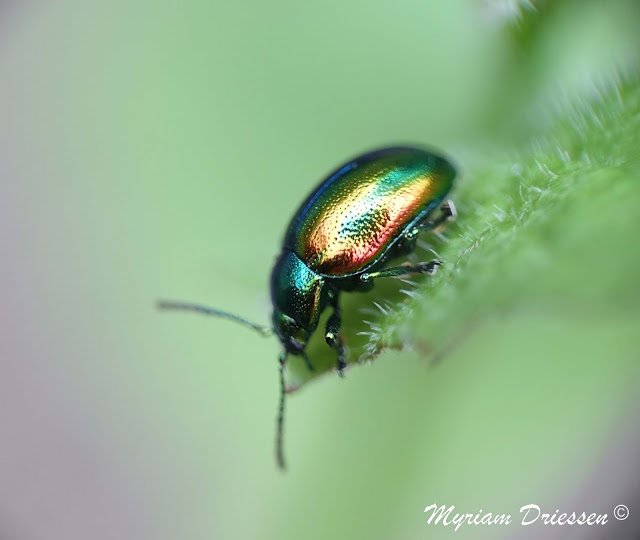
[299, 297]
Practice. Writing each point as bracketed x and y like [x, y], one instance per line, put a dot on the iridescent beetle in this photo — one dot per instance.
[361, 216]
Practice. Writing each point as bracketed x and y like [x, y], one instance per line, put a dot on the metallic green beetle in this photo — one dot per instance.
[366, 213]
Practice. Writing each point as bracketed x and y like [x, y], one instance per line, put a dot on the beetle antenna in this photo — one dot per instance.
[263, 330]
[280, 424]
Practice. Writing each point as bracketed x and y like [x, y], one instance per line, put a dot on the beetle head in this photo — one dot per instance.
[292, 335]
[298, 296]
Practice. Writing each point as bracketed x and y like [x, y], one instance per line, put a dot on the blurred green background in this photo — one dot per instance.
[158, 149]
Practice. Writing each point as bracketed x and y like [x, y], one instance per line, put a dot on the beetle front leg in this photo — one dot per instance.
[405, 270]
[332, 336]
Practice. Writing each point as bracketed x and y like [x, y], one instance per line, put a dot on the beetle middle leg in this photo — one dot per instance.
[332, 335]
[404, 270]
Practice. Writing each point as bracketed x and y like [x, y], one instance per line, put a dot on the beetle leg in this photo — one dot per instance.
[405, 270]
[332, 336]
[448, 214]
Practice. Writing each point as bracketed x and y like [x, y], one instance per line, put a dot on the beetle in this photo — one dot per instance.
[366, 213]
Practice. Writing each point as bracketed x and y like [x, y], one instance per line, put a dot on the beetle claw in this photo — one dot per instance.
[449, 210]
[429, 267]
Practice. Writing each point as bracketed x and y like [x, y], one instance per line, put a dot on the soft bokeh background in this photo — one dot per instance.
[157, 149]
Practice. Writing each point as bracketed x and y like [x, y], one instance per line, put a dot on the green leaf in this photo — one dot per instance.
[548, 228]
